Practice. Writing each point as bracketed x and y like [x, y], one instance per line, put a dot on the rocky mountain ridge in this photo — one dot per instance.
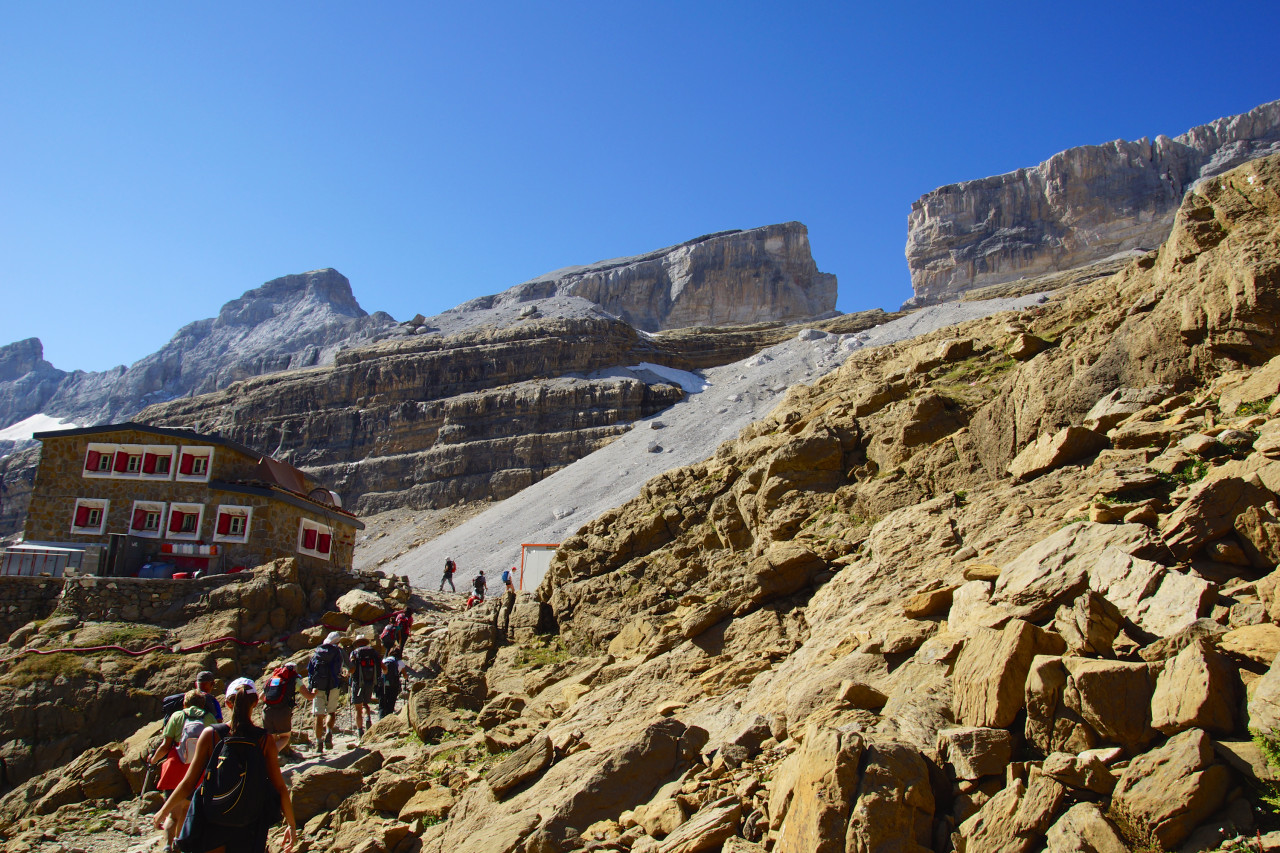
[1011, 586]
[1082, 206]
[288, 323]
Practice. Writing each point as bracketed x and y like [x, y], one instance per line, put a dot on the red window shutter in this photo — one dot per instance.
[149, 463]
[122, 461]
[82, 516]
[323, 544]
[187, 461]
[224, 523]
[309, 539]
[91, 461]
[139, 519]
[175, 521]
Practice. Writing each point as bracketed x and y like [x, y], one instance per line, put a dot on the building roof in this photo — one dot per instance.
[171, 432]
[276, 479]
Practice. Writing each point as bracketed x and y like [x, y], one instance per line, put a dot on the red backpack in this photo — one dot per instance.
[280, 686]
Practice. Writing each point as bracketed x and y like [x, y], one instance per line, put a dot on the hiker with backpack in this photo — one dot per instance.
[447, 578]
[481, 585]
[389, 685]
[182, 730]
[204, 683]
[324, 671]
[234, 786]
[279, 695]
[366, 670]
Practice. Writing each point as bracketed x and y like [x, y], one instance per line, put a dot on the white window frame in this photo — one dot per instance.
[148, 506]
[164, 451]
[305, 524]
[101, 449]
[186, 509]
[91, 504]
[245, 512]
[199, 450]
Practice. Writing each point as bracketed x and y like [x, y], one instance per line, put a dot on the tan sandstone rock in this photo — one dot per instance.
[1199, 689]
[1053, 451]
[992, 670]
[1171, 790]
[1083, 828]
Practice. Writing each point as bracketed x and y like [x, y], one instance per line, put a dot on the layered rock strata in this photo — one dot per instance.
[430, 420]
[1079, 207]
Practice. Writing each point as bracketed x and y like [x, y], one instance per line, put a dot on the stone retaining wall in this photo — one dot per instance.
[23, 599]
[157, 602]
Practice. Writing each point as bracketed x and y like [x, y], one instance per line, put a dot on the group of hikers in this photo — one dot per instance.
[479, 584]
[225, 787]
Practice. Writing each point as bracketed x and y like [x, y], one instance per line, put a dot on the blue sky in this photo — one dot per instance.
[157, 160]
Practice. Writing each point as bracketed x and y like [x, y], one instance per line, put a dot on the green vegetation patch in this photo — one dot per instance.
[539, 652]
[1257, 407]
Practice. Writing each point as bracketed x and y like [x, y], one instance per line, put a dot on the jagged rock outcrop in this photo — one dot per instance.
[290, 322]
[1079, 207]
[731, 277]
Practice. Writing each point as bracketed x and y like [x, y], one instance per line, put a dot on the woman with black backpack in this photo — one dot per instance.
[242, 793]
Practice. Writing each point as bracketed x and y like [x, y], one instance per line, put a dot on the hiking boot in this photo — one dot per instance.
[328, 739]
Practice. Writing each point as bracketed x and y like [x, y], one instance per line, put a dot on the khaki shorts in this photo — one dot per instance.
[277, 719]
[326, 701]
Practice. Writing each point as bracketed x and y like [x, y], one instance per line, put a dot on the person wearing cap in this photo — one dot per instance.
[324, 671]
[280, 695]
[179, 727]
[204, 683]
[241, 697]
[447, 578]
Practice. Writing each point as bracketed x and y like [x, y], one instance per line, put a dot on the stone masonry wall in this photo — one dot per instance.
[24, 599]
[157, 602]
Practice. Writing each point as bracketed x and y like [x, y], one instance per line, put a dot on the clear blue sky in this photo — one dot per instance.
[157, 160]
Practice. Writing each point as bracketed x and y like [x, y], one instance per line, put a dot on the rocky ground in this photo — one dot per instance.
[1007, 586]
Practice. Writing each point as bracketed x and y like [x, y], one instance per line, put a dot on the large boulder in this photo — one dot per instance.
[707, 830]
[973, 752]
[1112, 697]
[1171, 790]
[1083, 828]
[362, 606]
[1053, 451]
[320, 789]
[1210, 512]
[524, 764]
[1015, 819]
[894, 805]
[813, 791]
[1052, 726]
[1056, 569]
[991, 672]
[1199, 689]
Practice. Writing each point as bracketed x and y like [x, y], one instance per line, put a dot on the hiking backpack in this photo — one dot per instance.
[320, 668]
[449, 567]
[186, 744]
[478, 585]
[280, 687]
[389, 635]
[506, 577]
[366, 666]
[171, 705]
[236, 789]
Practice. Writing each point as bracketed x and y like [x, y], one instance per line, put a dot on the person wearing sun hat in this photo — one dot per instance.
[259, 814]
[324, 673]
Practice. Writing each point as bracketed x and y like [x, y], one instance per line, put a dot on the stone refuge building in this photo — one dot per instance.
[130, 494]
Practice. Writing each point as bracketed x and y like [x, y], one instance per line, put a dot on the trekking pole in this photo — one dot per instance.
[142, 799]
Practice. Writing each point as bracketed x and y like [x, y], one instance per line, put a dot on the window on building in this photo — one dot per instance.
[89, 516]
[147, 518]
[99, 460]
[157, 462]
[195, 463]
[184, 521]
[233, 523]
[315, 539]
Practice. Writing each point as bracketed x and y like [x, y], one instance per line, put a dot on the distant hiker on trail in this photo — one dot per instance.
[242, 794]
[404, 622]
[279, 696]
[447, 578]
[366, 669]
[324, 671]
[508, 600]
[181, 732]
[389, 685]
[480, 585]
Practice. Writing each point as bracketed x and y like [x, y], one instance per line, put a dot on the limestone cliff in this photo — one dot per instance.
[759, 275]
[1081, 206]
